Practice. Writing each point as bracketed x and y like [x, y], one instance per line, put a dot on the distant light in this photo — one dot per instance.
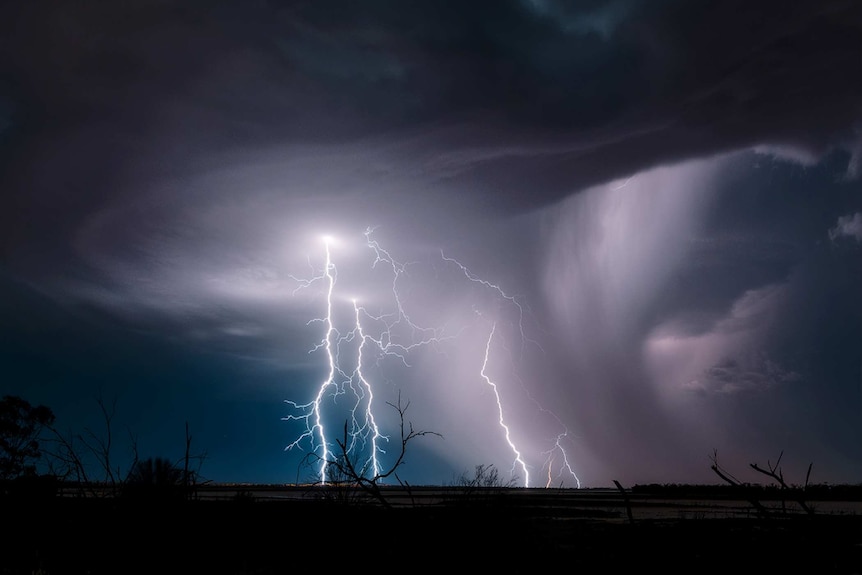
[329, 240]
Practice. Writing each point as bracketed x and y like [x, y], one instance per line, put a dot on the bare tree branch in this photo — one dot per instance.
[774, 471]
[628, 503]
[351, 476]
[731, 480]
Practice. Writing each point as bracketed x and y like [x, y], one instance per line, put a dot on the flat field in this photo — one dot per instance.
[279, 529]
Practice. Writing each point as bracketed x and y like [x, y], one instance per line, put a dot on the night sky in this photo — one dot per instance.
[647, 213]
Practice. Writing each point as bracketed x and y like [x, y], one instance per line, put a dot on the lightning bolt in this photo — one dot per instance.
[518, 459]
[363, 432]
[366, 424]
[499, 291]
[396, 335]
[557, 447]
[310, 412]
[565, 466]
[419, 336]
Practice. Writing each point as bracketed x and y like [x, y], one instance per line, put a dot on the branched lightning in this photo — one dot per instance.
[362, 432]
[557, 446]
[392, 333]
[418, 336]
[507, 433]
[499, 291]
[310, 412]
[366, 425]
[564, 466]
[557, 450]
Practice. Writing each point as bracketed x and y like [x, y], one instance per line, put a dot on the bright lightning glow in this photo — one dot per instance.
[499, 291]
[419, 336]
[365, 425]
[557, 447]
[363, 431]
[392, 333]
[312, 410]
[518, 459]
[565, 466]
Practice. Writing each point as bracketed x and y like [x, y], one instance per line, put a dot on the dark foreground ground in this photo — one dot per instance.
[502, 534]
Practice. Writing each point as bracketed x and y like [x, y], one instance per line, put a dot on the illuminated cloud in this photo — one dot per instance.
[849, 226]
[727, 358]
[612, 247]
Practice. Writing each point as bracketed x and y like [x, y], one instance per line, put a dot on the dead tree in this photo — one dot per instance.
[731, 480]
[626, 500]
[87, 459]
[70, 453]
[191, 477]
[484, 486]
[774, 471]
[353, 476]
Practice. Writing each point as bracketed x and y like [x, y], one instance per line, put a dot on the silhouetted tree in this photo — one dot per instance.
[774, 471]
[155, 471]
[87, 457]
[484, 477]
[351, 482]
[733, 481]
[483, 487]
[191, 477]
[87, 461]
[154, 477]
[21, 426]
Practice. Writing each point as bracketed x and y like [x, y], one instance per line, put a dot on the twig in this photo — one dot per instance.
[626, 501]
[728, 478]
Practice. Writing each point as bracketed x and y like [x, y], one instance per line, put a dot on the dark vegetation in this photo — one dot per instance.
[160, 516]
[21, 427]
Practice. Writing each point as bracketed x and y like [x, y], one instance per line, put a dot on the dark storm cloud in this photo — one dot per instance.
[590, 92]
[493, 105]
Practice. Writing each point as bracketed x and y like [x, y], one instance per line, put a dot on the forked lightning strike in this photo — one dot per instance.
[564, 467]
[311, 411]
[364, 438]
[363, 429]
[501, 421]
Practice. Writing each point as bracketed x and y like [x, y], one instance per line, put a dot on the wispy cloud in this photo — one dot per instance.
[729, 357]
[849, 226]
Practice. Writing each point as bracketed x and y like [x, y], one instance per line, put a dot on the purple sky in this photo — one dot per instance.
[664, 199]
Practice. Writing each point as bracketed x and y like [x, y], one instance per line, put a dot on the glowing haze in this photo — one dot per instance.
[585, 242]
